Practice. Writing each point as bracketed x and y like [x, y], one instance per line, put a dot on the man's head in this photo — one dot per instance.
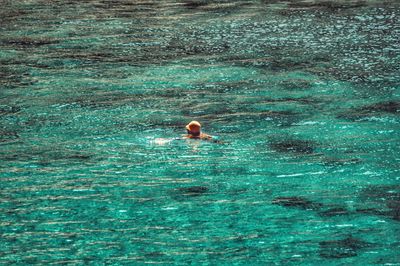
[193, 128]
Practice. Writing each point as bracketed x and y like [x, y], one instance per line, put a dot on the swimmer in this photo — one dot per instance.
[194, 132]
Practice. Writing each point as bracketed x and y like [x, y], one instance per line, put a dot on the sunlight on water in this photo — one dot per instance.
[302, 96]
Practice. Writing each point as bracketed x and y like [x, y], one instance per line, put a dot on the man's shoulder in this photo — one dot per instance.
[205, 136]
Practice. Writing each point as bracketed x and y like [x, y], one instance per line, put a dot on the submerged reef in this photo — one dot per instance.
[293, 146]
[306, 204]
[12, 76]
[329, 5]
[343, 248]
[385, 199]
[7, 110]
[332, 161]
[297, 202]
[184, 193]
[334, 212]
[381, 108]
[193, 191]
[7, 135]
[27, 42]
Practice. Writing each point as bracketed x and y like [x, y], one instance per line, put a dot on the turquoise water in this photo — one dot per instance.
[304, 96]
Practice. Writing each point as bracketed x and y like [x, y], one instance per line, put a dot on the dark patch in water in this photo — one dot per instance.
[82, 157]
[11, 15]
[194, 4]
[8, 135]
[387, 107]
[288, 64]
[6, 110]
[392, 211]
[280, 60]
[297, 202]
[193, 191]
[220, 7]
[43, 120]
[370, 211]
[11, 78]
[186, 193]
[394, 206]
[155, 254]
[177, 49]
[301, 100]
[124, 9]
[334, 212]
[293, 146]
[390, 107]
[95, 57]
[380, 193]
[29, 42]
[388, 197]
[329, 161]
[344, 248]
[330, 5]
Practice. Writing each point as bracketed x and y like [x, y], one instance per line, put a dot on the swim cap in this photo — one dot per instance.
[192, 126]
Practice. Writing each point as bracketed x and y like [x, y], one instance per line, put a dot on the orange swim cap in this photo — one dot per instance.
[193, 126]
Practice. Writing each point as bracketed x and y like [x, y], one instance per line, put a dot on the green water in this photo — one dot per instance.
[304, 96]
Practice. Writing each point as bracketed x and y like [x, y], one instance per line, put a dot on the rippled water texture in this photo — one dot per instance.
[304, 96]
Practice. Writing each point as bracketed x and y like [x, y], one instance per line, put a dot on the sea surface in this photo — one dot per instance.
[303, 96]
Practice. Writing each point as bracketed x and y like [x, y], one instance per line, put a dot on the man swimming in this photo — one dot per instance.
[194, 131]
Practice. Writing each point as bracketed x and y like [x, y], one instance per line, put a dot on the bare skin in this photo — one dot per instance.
[197, 135]
[193, 130]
